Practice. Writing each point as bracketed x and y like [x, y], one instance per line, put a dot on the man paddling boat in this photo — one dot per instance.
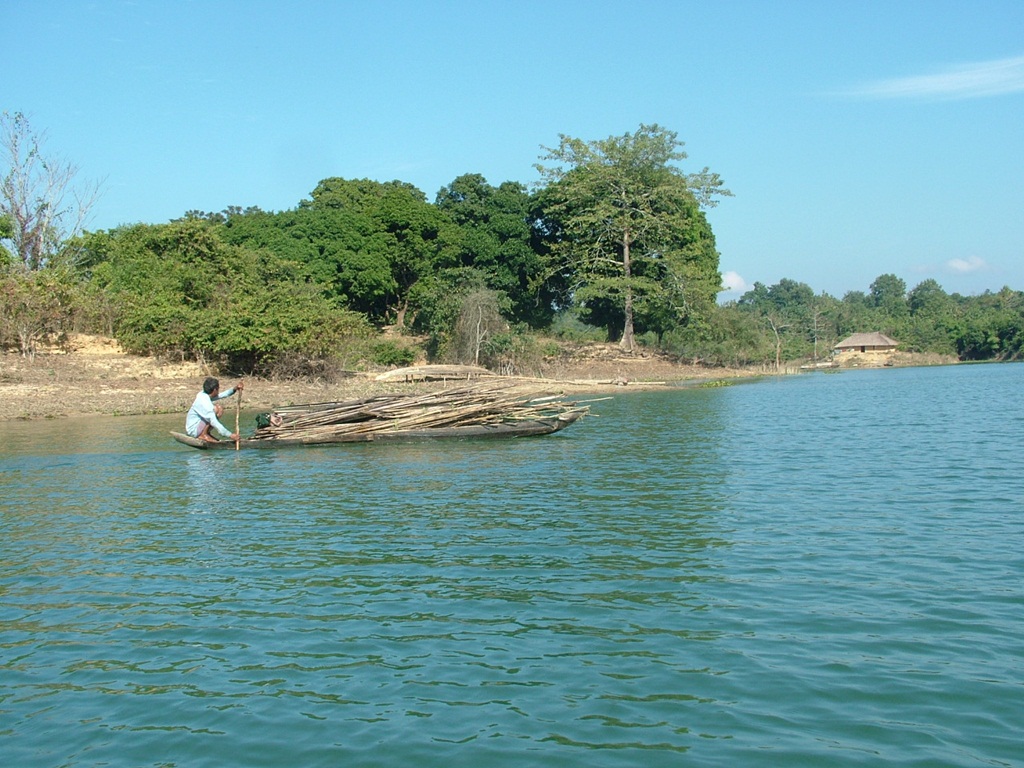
[204, 414]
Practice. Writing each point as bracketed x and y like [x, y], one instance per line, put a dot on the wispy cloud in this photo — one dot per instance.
[733, 283]
[964, 266]
[965, 81]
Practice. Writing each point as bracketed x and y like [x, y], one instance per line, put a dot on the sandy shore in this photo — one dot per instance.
[97, 379]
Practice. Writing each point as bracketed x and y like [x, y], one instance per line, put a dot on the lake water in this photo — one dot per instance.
[820, 570]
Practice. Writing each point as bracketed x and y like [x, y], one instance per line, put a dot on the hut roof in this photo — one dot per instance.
[875, 339]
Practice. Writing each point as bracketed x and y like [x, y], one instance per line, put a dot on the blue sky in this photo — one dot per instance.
[859, 137]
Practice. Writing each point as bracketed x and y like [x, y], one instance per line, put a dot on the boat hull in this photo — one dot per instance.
[529, 428]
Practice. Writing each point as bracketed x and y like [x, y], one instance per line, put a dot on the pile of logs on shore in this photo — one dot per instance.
[436, 373]
[469, 405]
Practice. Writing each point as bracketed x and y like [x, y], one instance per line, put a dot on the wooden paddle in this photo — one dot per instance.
[238, 408]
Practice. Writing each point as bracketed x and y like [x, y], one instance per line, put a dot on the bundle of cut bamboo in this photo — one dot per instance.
[471, 405]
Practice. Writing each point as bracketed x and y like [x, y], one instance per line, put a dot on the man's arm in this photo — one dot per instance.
[223, 395]
[228, 393]
[215, 423]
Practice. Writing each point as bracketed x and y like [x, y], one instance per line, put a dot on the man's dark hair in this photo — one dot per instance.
[210, 384]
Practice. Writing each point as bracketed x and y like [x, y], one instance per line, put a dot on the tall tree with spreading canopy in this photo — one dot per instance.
[42, 206]
[630, 223]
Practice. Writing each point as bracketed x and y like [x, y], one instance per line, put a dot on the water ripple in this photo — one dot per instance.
[769, 574]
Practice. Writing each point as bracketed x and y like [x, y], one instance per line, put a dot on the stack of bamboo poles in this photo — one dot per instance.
[471, 405]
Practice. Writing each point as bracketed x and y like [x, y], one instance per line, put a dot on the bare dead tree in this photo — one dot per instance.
[40, 202]
[777, 327]
[479, 320]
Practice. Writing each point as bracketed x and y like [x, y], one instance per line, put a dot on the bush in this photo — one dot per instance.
[391, 354]
[515, 352]
[289, 366]
[568, 327]
[36, 308]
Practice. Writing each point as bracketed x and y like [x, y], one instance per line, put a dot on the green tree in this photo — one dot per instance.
[855, 314]
[934, 319]
[338, 249]
[889, 295]
[359, 195]
[992, 327]
[405, 238]
[180, 288]
[496, 238]
[733, 336]
[628, 222]
[36, 307]
[6, 231]
[928, 297]
[793, 315]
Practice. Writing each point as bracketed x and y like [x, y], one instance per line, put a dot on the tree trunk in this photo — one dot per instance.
[628, 342]
[776, 327]
[480, 333]
[400, 315]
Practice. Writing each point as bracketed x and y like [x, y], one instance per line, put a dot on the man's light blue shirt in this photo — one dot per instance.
[202, 412]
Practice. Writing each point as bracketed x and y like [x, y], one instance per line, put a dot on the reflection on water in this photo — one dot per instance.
[204, 486]
[757, 575]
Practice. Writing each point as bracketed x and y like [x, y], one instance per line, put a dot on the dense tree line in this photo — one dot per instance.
[788, 321]
[614, 245]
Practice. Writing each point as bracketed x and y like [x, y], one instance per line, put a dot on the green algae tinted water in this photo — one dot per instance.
[824, 570]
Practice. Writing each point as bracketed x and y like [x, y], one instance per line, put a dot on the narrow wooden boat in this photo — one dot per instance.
[476, 411]
[528, 428]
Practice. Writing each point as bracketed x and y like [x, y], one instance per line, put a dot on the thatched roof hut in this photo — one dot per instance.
[867, 342]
